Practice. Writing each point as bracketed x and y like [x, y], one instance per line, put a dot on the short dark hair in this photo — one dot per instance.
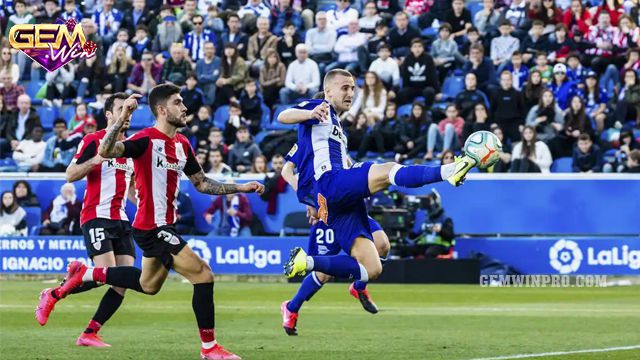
[537, 23]
[215, 129]
[16, 2]
[516, 53]
[383, 46]
[233, 14]
[561, 26]
[108, 104]
[473, 29]
[235, 104]
[197, 16]
[584, 137]
[249, 80]
[287, 24]
[215, 150]
[417, 41]
[445, 26]
[160, 94]
[277, 156]
[477, 47]
[59, 121]
[541, 53]
[142, 27]
[193, 75]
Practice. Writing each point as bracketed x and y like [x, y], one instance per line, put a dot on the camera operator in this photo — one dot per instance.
[437, 235]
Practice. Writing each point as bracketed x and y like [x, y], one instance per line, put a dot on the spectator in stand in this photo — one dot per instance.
[118, 71]
[186, 16]
[24, 196]
[217, 166]
[232, 75]
[603, 36]
[371, 100]
[302, 78]
[412, 135]
[320, 40]
[466, 100]
[562, 46]
[480, 66]
[381, 138]
[201, 123]
[577, 17]
[274, 184]
[168, 33]
[13, 218]
[235, 35]
[62, 217]
[122, 40]
[21, 16]
[195, 39]
[542, 66]
[612, 80]
[108, 20]
[141, 43]
[21, 123]
[254, 9]
[402, 35]
[596, 100]
[9, 91]
[503, 46]
[356, 131]
[612, 8]
[530, 155]
[185, 218]
[415, 8]
[628, 101]
[587, 157]
[346, 48]
[516, 13]
[90, 29]
[519, 72]
[251, 105]
[370, 18]
[208, 72]
[369, 52]
[341, 15]
[534, 42]
[472, 38]
[192, 96]
[7, 141]
[235, 121]
[444, 52]
[136, 17]
[548, 13]
[80, 117]
[578, 73]
[633, 162]
[259, 43]
[272, 77]
[628, 145]
[7, 64]
[215, 141]
[243, 151]
[234, 218]
[563, 88]
[477, 121]
[259, 165]
[460, 20]
[575, 124]
[447, 134]
[71, 11]
[386, 67]
[505, 155]
[287, 43]
[486, 20]
[175, 69]
[56, 159]
[508, 108]
[282, 14]
[201, 158]
[144, 75]
[419, 76]
[387, 8]
[90, 78]
[546, 117]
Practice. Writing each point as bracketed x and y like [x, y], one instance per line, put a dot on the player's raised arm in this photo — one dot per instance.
[110, 147]
[295, 116]
[212, 187]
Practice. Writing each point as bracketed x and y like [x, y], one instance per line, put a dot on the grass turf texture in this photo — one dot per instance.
[415, 322]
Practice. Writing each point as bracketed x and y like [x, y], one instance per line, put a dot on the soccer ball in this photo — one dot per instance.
[484, 147]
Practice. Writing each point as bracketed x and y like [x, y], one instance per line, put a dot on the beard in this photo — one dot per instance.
[176, 121]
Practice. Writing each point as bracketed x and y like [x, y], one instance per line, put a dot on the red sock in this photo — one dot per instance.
[93, 327]
[207, 335]
[100, 274]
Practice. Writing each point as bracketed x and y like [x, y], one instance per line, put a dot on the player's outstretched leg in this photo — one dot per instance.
[311, 284]
[358, 289]
[49, 297]
[340, 266]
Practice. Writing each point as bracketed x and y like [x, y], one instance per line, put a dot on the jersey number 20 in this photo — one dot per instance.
[323, 236]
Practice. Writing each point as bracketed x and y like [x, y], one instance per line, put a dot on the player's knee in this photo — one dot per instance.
[202, 274]
[374, 270]
[119, 290]
[383, 247]
[150, 288]
[323, 278]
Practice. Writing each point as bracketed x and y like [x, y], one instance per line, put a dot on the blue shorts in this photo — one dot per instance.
[324, 240]
[342, 189]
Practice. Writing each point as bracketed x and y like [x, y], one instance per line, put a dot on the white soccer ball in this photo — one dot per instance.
[484, 147]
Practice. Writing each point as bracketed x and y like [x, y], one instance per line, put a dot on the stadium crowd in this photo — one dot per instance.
[554, 79]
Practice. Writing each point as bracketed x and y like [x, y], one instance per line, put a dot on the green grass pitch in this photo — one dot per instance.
[415, 322]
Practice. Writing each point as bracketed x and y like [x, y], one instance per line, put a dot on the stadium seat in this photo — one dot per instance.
[34, 217]
[474, 7]
[142, 117]
[451, 87]
[275, 125]
[266, 116]
[404, 110]
[31, 88]
[68, 113]
[221, 116]
[562, 165]
[295, 223]
[47, 116]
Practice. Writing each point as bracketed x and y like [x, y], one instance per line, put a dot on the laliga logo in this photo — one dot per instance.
[565, 256]
[52, 45]
[200, 247]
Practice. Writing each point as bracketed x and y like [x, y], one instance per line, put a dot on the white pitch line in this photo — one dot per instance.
[558, 353]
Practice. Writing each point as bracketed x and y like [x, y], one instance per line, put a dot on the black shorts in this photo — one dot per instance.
[102, 236]
[160, 243]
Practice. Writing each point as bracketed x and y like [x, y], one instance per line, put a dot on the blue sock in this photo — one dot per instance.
[361, 285]
[413, 176]
[310, 285]
[340, 266]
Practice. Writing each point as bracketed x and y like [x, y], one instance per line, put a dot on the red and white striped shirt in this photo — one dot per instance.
[107, 184]
[597, 34]
[158, 163]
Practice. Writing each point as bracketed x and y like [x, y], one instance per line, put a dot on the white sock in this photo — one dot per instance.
[88, 275]
[447, 170]
[310, 263]
[209, 345]
[364, 275]
[392, 173]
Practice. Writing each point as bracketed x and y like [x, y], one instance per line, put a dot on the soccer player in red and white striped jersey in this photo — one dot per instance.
[104, 223]
[160, 155]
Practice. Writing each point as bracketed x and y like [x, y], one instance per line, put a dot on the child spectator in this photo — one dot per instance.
[563, 88]
[215, 141]
[286, 44]
[243, 151]
[386, 67]
[446, 134]
[235, 121]
[483, 68]
[486, 20]
[633, 162]
[56, 159]
[419, 75]
[251, 105]
[13, 218]
[542, 66]
[519, 72]
[587, 157]
[141, 42]
[530, 154]
[472, 38]
[445, 52]
[596, 99]
[201, 123]
[77, 122]
[562, 46]
[62, 217]
[503, 46]
[534, 42]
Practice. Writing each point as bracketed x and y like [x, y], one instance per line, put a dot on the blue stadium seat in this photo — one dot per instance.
[260, 136]
[47, 116]
[451, 87]
[404, 110]
[295, 223]
[562, 165]
[31, 88]
[34, 217]
[266, 116]
[275, 125]
[68, 113]
[142, 117]
[221, 116]
[474, 8]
